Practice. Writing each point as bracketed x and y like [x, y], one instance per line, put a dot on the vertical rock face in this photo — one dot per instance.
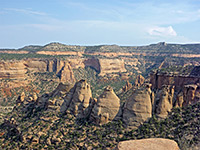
[189, 94]
[12, 69]
[138, 108]
[36, 65]
[78, 100]
[107, 107]
[93, 62]
[165, 100]
[179, 100]
[159, 79]
[111, 66]
[66, 74]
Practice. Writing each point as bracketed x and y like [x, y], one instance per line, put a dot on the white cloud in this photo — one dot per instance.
[26, 11]
[162, 31]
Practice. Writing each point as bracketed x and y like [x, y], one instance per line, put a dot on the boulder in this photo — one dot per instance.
[107, 107]
[138, 108]
[148, 144]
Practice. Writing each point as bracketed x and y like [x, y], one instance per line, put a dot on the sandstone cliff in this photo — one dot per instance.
[159, 79]
[111, 66]
[12, 69]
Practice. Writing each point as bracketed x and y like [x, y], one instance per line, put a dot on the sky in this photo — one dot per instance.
[97, 22]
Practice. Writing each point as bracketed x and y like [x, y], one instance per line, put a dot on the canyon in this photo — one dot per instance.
[96, 96]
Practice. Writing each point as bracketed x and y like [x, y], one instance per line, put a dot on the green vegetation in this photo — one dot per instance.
[182, 125]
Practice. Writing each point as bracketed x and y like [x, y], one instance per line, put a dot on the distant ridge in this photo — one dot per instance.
[160, 47]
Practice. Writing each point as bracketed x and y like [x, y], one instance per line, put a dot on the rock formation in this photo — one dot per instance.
[107, 107]
[138, 108]
[159, 79]
[139, 80]
[66, 74]
[164, 98]
[189, 94]
[54, 100]
[36, 65]
[111, 66]
[148, 144]
[179, 100]
[12, 70]
[20, 99]
[78, 100]
[127, 87]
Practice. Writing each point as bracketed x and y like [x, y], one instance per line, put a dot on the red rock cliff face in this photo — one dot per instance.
[187, 91]
[158, 80]
[111, 66]
[17, 69]
[103, 66]
[94, 63]
[12, 69]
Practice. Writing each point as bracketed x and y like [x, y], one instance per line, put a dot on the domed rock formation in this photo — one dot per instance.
[78, 100]
[138, 108]
[107, 107]
[165, 101]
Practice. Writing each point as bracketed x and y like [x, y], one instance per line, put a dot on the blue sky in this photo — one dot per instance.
[92, 22]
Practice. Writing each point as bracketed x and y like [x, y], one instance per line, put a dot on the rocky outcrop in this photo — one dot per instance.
[78, 100]
[148, 144]
[20, 99]
[189, 94]
[139, 81]
[138, 108]
[107, 107]
[127, 86]
[179, 100]
[54, 100]
[66, 73]
[164, 98]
